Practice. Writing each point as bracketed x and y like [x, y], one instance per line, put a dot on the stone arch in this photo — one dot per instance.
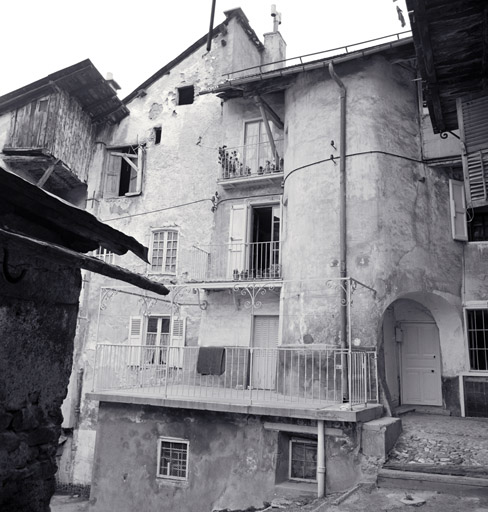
[423, 308]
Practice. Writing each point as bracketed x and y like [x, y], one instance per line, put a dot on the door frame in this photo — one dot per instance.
[401, 360]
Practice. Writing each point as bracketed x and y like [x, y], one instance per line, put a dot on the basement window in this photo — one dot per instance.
[186, 95]
[303, 460]
[173, 458]
[477, 327]
[124, 171]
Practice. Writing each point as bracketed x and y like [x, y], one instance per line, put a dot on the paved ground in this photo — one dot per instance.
[362, 500]
[443, 440]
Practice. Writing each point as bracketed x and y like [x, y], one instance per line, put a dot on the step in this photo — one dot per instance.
[414, 480]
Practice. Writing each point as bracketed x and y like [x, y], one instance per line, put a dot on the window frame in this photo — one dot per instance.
[300, 440]
[475, 306]
[113, 172]
[104, 255]
[151, 251]
[173, 440]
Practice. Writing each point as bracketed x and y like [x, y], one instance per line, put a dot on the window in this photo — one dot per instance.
[258, 155]
[164, 249]
[477, 326]
[173, 458]
[303, 460]
[157, 336]
[186, 95]
[157, 134]
[478, 225]
[104, 254]
[124, 171]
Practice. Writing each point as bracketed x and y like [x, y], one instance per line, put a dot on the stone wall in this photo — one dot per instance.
[37, 328]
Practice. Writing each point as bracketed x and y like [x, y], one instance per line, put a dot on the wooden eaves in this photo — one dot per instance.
[79, 231]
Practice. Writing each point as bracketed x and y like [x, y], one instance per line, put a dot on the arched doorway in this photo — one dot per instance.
[412, 354]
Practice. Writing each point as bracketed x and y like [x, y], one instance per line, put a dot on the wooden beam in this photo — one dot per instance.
[273, 115]
[301, 429]
[47, 174]
[73, 259]
[268, 129]
[29, 201]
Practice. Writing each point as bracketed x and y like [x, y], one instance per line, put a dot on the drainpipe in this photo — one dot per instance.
[320, 459]
[342, 224]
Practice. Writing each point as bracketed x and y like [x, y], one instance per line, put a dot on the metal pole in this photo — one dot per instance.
[320, 459]
[210, 30]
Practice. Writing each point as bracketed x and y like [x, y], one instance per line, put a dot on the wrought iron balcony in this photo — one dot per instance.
[303, 376]
[252, 162]
[235, 262]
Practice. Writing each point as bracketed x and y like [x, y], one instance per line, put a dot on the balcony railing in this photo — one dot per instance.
[235, 262]
[302, 376]
[251, 160]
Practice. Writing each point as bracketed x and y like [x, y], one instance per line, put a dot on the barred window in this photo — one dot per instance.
[173, 458]
[104, 254]
[477, 325]
[164, 250]
[303, 460]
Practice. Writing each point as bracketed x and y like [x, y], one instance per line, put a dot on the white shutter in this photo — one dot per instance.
[473, 127]
[112, 178]
[237, 239]
[136, 324]
[178, 334]
[141, 158]
[458, 210]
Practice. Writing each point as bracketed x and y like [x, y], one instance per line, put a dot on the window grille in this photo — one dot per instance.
[303, 460]
[173, 458]
[104, 254]
[477, 326]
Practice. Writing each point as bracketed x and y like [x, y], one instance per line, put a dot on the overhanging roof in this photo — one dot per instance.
[77, 232]
[82, 81]
[451, 43]
[259, 80]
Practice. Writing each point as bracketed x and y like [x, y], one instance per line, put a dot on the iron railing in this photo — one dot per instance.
[235, 262]
[251, 160]
[298, 376]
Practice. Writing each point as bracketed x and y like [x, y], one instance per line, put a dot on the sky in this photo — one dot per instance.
[132, 40]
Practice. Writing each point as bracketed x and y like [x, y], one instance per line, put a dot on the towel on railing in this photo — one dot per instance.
[211, 361]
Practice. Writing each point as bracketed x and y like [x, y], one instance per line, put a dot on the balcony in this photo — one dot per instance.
[235, 262]
[301, 378]
[250, 164]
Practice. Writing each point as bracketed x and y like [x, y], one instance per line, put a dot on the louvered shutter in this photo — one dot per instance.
[458, 210]
[135, 340]
[178, 334]
[473, 125]
[237, 239]
[112, 178]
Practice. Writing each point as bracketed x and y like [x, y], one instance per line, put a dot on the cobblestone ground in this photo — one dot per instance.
[443, 440]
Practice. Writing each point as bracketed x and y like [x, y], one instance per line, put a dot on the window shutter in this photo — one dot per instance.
[141, 160]
[135, 339]
[178, 334]
[458, 210]
[473, 125]
[112, 178]
[237, 238]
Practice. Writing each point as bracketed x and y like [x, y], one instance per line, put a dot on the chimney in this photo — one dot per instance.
[110, 80]
[274, 44]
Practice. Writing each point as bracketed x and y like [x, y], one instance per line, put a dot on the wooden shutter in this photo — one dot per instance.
[237, 238]
[473, 125]
[141, 159]
[136, 324]
[178, 334]
[458, 210]
[112, 178]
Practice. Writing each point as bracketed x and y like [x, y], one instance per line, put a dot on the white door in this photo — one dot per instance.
[421, 364]
[265, 342]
